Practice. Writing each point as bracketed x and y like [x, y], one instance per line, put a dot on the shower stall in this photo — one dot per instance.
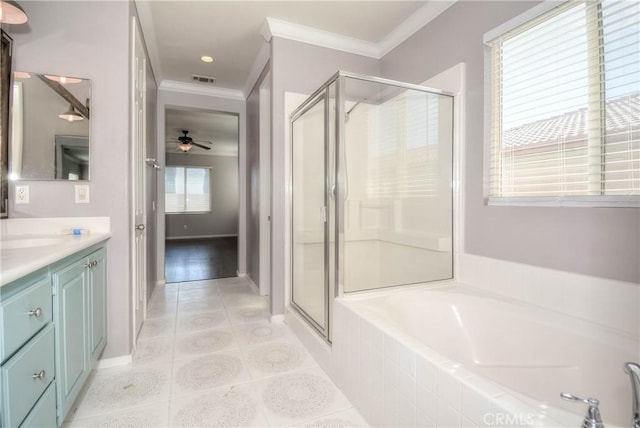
[372, 205]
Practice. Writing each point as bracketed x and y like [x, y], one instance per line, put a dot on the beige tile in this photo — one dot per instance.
[125, 387]
[204, 342]
[208, 372]
[276, 357]
[202, 321]
[236, 406]
[152, 416]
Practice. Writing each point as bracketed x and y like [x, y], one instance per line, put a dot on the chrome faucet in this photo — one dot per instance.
[633, 370]
[592, 418]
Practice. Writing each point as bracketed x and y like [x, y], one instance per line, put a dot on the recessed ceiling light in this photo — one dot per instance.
[206, 58]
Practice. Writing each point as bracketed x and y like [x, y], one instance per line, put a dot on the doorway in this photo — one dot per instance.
[201, 194]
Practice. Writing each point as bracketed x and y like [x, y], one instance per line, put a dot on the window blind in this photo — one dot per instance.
[187, 189]
[565, 117]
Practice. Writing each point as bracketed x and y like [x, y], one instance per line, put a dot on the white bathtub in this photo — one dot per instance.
[490, 355]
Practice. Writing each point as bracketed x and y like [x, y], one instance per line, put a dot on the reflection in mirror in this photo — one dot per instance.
[49, 127]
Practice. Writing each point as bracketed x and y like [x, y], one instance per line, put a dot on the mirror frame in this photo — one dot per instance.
[5, 91]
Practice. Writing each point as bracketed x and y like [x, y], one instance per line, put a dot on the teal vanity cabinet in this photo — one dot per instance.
[26, 349]
[80, 317]
[54, 328]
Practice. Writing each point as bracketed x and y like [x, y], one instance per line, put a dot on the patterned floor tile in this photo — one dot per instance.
[152, 416]
[204, 342]
[208, 372]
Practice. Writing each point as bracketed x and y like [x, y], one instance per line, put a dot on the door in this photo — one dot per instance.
[138, 140]
[265, 185]
[97, 303]
[310, 276]
[71, 321]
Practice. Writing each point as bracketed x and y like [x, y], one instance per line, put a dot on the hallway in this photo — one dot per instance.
[200, 259]
[208, 356]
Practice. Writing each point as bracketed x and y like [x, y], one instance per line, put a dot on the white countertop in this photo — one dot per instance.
[18, 262]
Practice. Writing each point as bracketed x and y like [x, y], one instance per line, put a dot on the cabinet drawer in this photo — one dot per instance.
[43, 414]
[23, 315]
[20, 385]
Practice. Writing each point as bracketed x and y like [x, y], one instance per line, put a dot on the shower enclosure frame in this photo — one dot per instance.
[335, 189]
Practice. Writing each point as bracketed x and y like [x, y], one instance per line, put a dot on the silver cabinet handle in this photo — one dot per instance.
[87, 265]
[140, 226]
[91, 264]
[94, 263]
[39, 375]
[35, 313]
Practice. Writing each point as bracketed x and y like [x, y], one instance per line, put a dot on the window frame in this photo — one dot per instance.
[185, 167]
[618, 201]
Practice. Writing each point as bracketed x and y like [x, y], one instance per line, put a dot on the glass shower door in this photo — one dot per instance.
[310, 214]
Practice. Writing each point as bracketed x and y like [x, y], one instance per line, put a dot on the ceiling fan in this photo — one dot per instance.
[186, 143]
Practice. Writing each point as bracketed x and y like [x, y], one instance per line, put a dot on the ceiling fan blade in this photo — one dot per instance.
[201, 146]
[203, 142]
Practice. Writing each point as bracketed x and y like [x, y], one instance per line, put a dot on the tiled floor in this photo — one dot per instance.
[200, 259]
[209, 357]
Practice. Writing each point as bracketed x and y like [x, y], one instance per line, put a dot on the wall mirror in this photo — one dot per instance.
[50, 124]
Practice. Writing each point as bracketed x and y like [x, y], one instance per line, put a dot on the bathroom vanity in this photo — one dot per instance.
[53, 307]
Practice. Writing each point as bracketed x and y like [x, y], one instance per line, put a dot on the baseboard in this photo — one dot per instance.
[106, 363]
[174, 238]
[277, 319]
[252, 284]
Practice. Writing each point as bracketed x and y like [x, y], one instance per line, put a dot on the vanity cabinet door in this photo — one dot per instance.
[72, 333]
[97, 302]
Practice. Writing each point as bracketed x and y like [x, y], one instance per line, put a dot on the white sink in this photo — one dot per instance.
[15, 244]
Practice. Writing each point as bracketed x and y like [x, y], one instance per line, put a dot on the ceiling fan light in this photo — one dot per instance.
[70, 115]
[185, 147]
[12, 13]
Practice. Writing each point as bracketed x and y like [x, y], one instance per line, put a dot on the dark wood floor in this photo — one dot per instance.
[198, 259]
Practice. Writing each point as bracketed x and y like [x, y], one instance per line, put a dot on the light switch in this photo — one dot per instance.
[22, 194]
[82, 193]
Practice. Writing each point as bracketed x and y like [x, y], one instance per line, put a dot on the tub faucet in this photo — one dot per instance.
[633, 370]
[592, 418]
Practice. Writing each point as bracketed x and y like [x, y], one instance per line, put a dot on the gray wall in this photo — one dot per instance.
[207, 102]
[223, 218]
[88, 39]
[302, 68]
[603, 242]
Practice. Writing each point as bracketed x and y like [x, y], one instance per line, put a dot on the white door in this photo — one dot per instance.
[265, 185]
[138, 143]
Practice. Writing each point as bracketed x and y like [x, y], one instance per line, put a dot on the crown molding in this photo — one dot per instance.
[421, 17]
[412, 24]
[301, 33]
[193, 88]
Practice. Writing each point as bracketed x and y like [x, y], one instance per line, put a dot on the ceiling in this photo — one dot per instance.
[178, 33]
[221, 129]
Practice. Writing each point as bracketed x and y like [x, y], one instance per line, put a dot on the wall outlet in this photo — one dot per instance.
[82, 193]
[22, 194]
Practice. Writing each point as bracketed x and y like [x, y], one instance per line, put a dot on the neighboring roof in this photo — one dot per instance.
[622, 113]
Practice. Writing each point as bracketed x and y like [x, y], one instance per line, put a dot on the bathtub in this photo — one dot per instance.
[455, 356]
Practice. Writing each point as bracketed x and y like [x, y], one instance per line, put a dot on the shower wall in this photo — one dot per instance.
[398, 205]
[371, 191]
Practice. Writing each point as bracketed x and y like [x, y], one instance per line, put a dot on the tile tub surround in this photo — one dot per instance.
[235, 371]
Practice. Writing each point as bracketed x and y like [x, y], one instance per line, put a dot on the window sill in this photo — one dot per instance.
[567, 201]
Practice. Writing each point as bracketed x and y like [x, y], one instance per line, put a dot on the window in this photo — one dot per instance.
[565, 106]
[187, 189]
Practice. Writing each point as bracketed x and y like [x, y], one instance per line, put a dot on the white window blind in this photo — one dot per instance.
[565, 117]
[187, 189]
